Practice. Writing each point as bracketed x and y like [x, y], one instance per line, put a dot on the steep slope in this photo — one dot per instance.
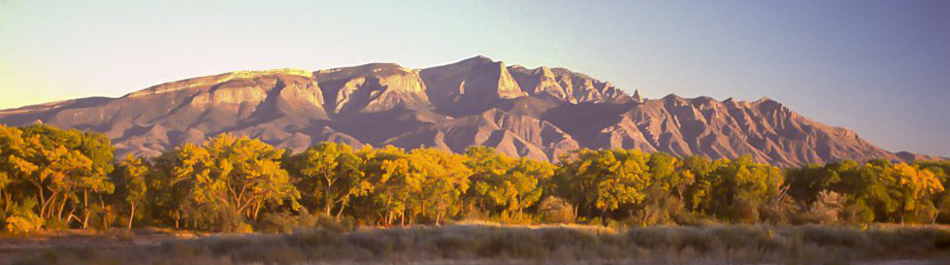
[539, 113]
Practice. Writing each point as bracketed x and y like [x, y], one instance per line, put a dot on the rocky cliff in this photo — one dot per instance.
[537, 113]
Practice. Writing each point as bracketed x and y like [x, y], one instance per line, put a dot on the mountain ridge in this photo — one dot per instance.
[539, 113]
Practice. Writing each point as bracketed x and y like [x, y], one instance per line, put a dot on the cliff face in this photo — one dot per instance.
[537, 113]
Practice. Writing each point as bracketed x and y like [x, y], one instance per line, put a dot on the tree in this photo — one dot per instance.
[237, 175]
[90, 156]
[501, 181]
[62, 167]
[524, 181]
[389, 168]
[659, 205]
[11, 143]
[134, 170]
[604, 179]
[696, 194]
[437, 181]
[334, 171]
[739, 187]
[916, 187]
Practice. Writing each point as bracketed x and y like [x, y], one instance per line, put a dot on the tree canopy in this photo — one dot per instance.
[68, 179]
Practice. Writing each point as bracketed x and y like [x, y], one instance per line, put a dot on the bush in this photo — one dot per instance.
[285, 221]
[825, 209]
[693, 219]
[555, 210]
[781, 211]
[21, 218]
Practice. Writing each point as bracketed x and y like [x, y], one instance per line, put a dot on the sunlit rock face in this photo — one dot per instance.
[541, 113]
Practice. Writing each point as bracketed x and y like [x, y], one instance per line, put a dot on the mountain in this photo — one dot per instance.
[537, 113]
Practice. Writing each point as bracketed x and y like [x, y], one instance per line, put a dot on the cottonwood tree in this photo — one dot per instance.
[234, 174]
[134, 171]
[916, 186]
[334, 171]
[89, 182]
[509, 183]
[603, 179]
[439, 179]
[389, 168]
[740, 186]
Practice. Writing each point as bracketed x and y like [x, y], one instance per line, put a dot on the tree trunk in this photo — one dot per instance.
[576, 208]
[338, 213]
[61, 207]
[590, 210]
[85, 210]
[132, 215]
[105, 213]
[326, 192]
[902, 212]
[423, 208]
[42, 197]
[257, 209]
[327, 205]
[85, 221]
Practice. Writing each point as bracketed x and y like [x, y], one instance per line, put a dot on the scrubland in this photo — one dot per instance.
[496, 244]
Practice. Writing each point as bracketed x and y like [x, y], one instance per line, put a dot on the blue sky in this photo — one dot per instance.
[881, 68]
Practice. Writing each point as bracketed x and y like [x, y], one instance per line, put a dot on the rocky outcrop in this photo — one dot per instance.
[539, 113]
[562, 84]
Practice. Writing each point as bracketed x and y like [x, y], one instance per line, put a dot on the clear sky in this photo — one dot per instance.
[881, 68]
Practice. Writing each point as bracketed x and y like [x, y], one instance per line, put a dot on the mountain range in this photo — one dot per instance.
[538, 113]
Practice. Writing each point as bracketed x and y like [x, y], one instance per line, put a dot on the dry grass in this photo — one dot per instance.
[492, 244]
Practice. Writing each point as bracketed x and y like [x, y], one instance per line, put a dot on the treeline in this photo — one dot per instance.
[60, 179]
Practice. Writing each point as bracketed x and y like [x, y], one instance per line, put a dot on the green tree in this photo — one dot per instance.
[438, 179]
[605, 179]
[389, 168]
[134, 171]
[739, 187]
[334, 171]
[916, 187]
[238, 175]
[501, 181]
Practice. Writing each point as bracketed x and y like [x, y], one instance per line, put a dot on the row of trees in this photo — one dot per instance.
[59, 179]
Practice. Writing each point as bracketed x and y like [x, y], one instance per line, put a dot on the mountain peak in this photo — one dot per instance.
[479, 59]
[636, 96]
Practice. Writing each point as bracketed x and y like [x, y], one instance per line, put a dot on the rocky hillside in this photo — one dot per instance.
[537, 113]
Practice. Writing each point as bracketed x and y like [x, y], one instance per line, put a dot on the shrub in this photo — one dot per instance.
[556, 210]
[285, 221]
[21, 218]
[826, 208]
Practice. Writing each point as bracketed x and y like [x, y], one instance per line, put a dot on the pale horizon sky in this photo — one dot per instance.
[881, 68]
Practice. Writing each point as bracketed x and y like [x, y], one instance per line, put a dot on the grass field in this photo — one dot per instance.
[493, 244]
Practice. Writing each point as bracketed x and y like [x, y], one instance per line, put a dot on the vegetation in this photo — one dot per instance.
[480, 244]
[53, 179]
